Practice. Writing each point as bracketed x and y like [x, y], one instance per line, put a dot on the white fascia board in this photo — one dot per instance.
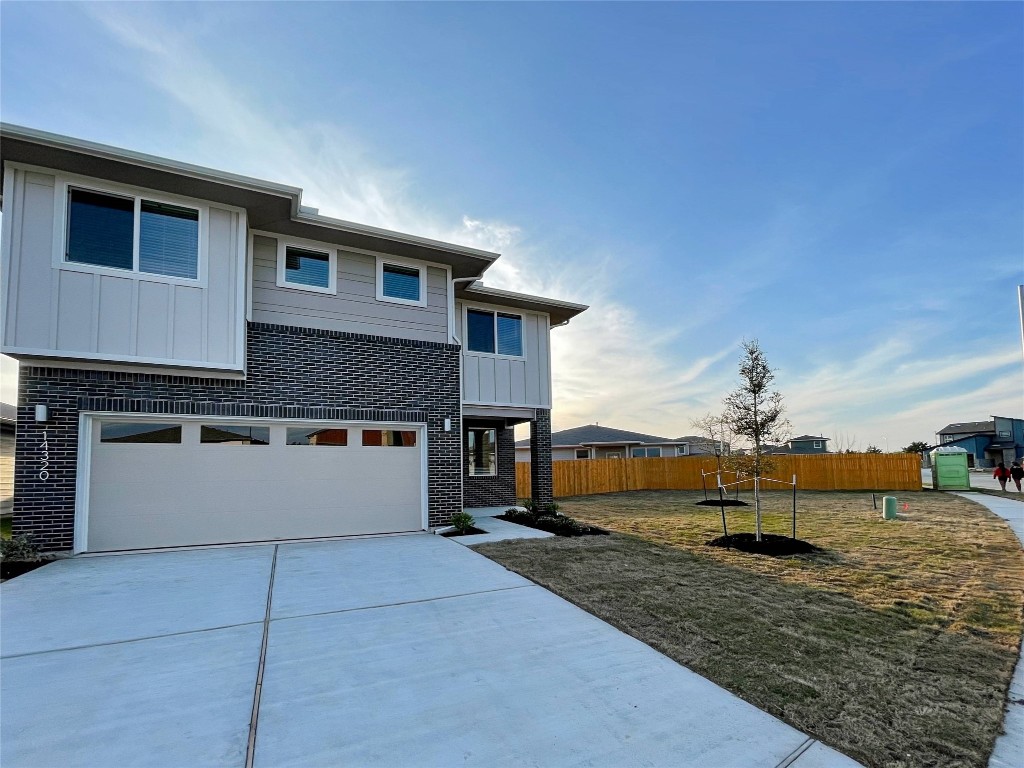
[365, 229]
[58, 141]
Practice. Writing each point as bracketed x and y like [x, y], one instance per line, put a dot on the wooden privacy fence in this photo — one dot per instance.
[815, 472]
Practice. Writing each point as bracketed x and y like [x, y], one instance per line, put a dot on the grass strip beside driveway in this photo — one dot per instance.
[895, 646]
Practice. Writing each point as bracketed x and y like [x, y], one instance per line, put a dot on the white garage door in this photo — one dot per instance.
[171, 482]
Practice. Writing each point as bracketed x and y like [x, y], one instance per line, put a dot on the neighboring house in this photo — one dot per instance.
[986, 442]
[206, 360]
[596, 442]
[700, 445]
[8, 421]
[803, 445]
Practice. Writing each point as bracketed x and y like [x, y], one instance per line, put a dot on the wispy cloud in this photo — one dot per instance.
[618, 363]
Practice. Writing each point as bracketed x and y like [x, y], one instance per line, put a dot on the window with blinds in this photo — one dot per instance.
[168, 240]
[306, 267]
[399, 282]
[101, 232]
[494, 332]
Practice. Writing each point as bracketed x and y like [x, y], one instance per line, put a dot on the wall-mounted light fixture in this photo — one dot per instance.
[42, 413]
[447, 425]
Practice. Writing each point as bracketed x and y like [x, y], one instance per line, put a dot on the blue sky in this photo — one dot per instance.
[842, 181]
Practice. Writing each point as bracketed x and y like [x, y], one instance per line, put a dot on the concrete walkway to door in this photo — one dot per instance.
[393, 651]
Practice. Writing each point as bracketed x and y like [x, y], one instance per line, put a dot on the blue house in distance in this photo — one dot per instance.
[986, 442]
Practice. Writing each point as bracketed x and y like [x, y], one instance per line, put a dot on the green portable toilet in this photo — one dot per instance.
[949, 469]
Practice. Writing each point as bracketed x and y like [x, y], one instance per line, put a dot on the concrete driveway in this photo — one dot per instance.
[396, 651]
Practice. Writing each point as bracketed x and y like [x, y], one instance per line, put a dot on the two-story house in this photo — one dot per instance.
[987, 442]
[204, 359]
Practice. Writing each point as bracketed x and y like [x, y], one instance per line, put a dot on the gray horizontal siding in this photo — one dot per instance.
[354, 308]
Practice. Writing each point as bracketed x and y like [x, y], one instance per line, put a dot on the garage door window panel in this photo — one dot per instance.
[319, 436]
[389, 438]
[233, 434]
[121, 432]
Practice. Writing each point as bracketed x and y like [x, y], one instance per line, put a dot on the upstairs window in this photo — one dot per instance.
[307, 268]
[101, 232]
[494, 332]
[401, 283]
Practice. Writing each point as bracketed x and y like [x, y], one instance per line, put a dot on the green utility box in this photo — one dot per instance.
[949, 469]
[888, 507]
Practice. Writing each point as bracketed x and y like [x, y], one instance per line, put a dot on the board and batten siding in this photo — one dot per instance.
[60, 309]
[355, 307]
[502, 380]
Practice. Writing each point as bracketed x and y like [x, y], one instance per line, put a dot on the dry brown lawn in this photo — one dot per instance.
[895, 645]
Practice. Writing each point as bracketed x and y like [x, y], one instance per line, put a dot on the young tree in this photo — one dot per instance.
[916, 447]
[844, 443]
[755, 412]
[719, 440]
[716, 429]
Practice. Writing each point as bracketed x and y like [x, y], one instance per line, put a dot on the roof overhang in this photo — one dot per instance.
[269, 206]
[559, 311]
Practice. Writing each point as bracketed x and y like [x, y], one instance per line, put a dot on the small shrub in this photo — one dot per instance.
[537, 510]
[462, 521]
[519, 516]
[21, 548]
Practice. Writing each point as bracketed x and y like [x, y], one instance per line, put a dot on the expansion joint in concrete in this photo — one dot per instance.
[250, 751]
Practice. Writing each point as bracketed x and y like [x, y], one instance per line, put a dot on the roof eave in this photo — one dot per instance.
[559, 311]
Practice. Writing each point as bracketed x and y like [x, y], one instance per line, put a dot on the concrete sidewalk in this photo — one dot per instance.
[1009, 749]
[406, 650]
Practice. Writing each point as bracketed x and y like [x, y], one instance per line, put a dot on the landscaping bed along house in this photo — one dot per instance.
[894, 641]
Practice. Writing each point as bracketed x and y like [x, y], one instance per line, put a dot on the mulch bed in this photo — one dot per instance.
[558, 525]
[11, 568]
[770, 544]
[467, 532]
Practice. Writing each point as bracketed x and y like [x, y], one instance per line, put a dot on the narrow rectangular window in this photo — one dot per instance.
[101, 229]
[682, 450]
[316, 436]
[391, 438]
[480, 331]
[116, 432]
[305, 267]
[481, 451]
[400, 282]
[233, 434]
[168, 240]
[582, 453]
[510, 335]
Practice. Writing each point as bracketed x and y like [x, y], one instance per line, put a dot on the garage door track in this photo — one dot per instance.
[397, 651]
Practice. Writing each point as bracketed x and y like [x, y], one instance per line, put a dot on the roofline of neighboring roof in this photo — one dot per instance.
[560, 310]
[118, 154]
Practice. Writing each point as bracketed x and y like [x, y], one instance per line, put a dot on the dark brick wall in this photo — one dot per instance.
[497, 491]
[294, 373]
[541, 486]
